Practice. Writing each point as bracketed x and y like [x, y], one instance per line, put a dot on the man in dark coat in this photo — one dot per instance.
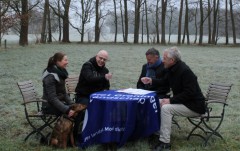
[187, 100]
[154, 69]
[94, 77]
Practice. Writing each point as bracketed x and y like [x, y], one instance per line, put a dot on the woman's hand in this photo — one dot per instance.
[71, 113]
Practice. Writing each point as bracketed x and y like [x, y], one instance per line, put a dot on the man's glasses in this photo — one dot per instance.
[103, 59]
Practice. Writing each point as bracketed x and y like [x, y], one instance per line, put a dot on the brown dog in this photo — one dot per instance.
[63, 129]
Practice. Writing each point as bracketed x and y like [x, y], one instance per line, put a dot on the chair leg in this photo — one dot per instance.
[197, 125]
[47, 123]
[212, 131]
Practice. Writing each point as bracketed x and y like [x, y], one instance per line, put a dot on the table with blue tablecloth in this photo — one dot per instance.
[116, 117]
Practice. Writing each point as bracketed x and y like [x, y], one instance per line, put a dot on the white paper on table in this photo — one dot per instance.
[135, 91]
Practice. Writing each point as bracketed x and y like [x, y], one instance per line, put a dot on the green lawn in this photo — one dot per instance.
[210, 63]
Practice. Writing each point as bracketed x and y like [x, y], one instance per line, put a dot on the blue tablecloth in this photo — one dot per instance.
[117, 117]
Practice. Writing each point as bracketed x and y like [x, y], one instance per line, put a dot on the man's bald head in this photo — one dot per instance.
[102, 57]
[103, 53]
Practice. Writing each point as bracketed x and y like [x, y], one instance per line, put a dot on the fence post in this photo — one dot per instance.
[5, 43]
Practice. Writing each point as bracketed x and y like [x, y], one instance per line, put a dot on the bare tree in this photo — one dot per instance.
[138, 4]
[122, 19]
[157, 21]
[209, 23]
[142, 21]
[44, 21]
[233, 22]
[215, 8]
[164, 8]
[23, 11]
[172, 8]
[146, 14]
[59, 20]
[97, 19]
[201, 23]
[49, 23]
[65, 18]
[85, 15]
[126, 21]
[180, 23]
[226, 21]
[186, 30]
[6, 21]
[115, 20]
[195, 23]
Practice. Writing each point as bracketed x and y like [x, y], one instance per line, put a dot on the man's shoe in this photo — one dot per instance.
[162, 147]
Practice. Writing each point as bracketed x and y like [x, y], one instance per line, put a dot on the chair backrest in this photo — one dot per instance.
[71, 83]
[27, 90]
[218, 92]
[29, 95]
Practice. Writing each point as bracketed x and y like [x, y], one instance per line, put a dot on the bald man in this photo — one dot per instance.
[94, 77]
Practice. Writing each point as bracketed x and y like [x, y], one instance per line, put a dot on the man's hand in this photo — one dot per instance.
[146, 80]
[164, 101]
[108, 76]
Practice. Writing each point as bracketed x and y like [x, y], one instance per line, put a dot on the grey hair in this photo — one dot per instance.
[173, 53]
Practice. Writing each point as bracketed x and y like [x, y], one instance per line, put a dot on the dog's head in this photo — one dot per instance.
[77, 108]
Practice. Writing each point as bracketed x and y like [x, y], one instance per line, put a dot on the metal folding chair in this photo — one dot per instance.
[210, 122]
[33, 112]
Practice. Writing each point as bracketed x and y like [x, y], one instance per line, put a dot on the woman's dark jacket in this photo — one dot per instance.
[185, 88]
[92, 79]
[160, 73]
[54, 92]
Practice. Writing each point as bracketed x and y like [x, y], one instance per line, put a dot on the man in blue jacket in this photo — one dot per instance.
[187, 100]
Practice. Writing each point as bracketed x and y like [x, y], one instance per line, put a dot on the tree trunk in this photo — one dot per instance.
[137, 20]
[122, 20]
[115, 21]
[233, 23]
[164, 8]
[66, 22]
[146, 14]
[49, 23]
[157, 20]
[59, 23]
[23, 41]
[201, 23]
[142, 22]
[217, 27]
[196, 27]
[209, 23]
[215, 7]
[226, 21]
[97, 28]
[170, 25]
[43, 32]
[180, 22]
[126, 21]
[186, 23]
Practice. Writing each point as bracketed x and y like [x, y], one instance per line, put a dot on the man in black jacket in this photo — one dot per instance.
[187, 100]
[94, 77]
[154, 68]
